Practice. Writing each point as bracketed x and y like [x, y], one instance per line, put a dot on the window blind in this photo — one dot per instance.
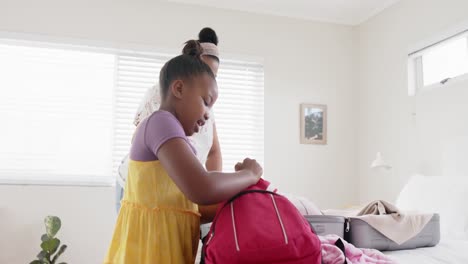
[56, 114]
[68, 113]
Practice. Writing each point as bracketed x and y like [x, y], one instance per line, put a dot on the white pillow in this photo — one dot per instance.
[446, 196]
[304, 205]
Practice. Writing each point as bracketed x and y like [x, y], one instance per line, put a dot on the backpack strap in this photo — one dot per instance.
[247, 192]
[339, 244]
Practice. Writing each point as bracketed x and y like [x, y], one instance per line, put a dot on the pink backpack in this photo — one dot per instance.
[260, 226]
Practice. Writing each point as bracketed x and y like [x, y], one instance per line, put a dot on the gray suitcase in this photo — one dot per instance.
[327, 224]
[362, 235]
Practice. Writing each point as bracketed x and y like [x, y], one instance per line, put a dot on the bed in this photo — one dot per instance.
[448, 251]
[446, 196]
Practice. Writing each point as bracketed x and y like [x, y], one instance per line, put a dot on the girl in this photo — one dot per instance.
[159, 219]
[206, 141]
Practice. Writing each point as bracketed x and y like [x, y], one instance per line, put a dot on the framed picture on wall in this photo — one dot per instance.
[313, 124]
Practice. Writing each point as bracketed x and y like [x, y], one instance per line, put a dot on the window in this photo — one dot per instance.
[135, 74]
[447, 61]
[56, 112]
[439, 63]
[238, 111]
[68, 111]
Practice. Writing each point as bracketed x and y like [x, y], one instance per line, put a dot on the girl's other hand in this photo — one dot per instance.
[251, 165]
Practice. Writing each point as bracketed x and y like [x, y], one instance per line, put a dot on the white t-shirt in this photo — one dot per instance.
[201, 141]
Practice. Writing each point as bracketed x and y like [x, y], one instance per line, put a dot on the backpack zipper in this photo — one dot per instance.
[280, 220]
[209, 239]
[234, 227]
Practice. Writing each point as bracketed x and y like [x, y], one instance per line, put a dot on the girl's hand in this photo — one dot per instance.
[251, 165]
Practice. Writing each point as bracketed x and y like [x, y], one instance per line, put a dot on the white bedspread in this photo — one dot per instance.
[448, 251]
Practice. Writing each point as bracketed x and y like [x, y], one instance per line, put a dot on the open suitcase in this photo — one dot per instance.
[362, 235]
[327, 224]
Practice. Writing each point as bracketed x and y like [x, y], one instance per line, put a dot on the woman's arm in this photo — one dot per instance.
[207, 212]
[198, 185]
[148, 104]
[213, 163]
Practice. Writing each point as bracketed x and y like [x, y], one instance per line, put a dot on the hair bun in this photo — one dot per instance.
[208, 35]
[192, 48]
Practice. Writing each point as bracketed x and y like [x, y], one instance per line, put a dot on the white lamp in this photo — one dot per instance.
[379, 162]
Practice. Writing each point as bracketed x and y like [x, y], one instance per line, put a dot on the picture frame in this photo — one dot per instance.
[313, 124]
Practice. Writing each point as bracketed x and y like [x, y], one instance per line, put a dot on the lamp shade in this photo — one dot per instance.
[379, 162]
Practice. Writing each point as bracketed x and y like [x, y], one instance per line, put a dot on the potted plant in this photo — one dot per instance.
[50, 245]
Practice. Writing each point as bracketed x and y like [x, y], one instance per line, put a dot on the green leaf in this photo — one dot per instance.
[44, 237]
[60, 252]
[55, 247]
[43, 254]
[36, 262]
[62, 249]
[50, 245]
[52, 224]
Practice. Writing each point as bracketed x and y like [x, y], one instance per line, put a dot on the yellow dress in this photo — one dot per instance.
[156, 223]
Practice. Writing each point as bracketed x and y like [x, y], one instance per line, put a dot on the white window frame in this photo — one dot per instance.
[415, 65]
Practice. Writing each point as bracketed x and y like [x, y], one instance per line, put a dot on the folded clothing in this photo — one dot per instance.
[388, 220]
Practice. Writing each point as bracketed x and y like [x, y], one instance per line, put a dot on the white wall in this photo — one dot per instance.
[413, 144]
[304, 62]
[87, 215]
